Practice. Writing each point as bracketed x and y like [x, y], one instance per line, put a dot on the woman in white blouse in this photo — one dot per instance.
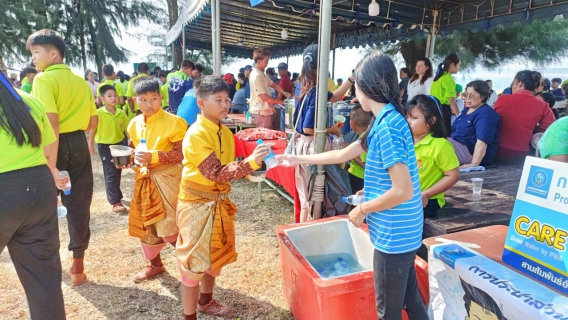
[421, 81]
[90, 78]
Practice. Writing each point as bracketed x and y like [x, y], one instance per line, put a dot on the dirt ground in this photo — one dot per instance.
[252, 285]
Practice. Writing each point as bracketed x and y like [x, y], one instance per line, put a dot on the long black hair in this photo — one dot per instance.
[15, 117]
[376, 78]
[531, 79]
[427, 75]
[430, 107]
[445, 66]
[309, 74]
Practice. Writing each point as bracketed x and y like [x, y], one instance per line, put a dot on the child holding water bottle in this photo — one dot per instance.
[392, 204]
[205, 214]
[152, 216]
[438, 165]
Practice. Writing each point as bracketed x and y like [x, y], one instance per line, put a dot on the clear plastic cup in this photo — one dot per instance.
[477, 183]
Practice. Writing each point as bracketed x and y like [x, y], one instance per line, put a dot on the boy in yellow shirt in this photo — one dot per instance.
[143, 70]
[110, 131]
[162, 75]
[108, 71]
[152, 216]
[70, 107]
[205, 214]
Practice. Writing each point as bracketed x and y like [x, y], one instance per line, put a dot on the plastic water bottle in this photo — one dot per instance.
[67, 188]
[337, 143]
[325, 269]
[270, 159]
[141, 147]
[248, 118]
[341, 269]
[61, 212]
[354, 200]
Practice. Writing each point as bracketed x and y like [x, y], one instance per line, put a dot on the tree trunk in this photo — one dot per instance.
[412, 51]
[97, 52]
[173, 14]
[82, 36]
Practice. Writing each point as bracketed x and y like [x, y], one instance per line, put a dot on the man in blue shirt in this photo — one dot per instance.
[178, 84]
[188, 108]
[247, 71]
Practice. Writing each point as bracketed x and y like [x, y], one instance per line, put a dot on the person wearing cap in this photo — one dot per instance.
[459, 101]
[285, 81]
[229, 81]
[261, 103]
[246, 71]
[304, 120]
[272, 75]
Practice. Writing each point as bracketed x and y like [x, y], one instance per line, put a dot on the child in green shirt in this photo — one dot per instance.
[359, 122]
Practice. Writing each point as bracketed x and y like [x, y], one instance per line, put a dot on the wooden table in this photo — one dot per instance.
[494, 206]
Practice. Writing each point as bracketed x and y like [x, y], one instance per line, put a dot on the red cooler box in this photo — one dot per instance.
[311, 297]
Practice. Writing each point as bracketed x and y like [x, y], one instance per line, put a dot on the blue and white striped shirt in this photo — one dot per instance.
[397, 230]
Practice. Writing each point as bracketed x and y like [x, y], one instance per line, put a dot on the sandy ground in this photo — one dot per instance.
[252, 285]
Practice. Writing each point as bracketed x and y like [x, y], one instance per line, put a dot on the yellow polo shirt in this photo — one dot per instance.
[16, 157]
[130, 91]
[67, 95]
[160, 131]
[111, 127]
[117, 87]
[444, 88]
[164, 93]
[434, 156]
[259, 83]
[202, 139]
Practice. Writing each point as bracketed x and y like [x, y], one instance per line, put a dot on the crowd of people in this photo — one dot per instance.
[410, 139]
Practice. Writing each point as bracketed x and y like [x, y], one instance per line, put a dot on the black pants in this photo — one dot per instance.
[73, 156]
[276, 116]
[447, 115]
[431, 209]
[112, 174]
[357, 184]
[29, 228]
[396, 286]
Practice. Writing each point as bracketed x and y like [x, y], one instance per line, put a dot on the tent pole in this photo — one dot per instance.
[183, 44]
[321, 102]
[173, 55]
[216, 36]
[333, 66]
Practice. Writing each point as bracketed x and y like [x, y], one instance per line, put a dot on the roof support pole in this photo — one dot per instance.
[333, 66]
[431, 40]
[183, 44]
[173, 56]
[321, 102]
[216, 36]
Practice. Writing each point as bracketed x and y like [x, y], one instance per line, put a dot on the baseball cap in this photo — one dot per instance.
[282, 66]
[459, 88]
[247, 67]
[311, 54]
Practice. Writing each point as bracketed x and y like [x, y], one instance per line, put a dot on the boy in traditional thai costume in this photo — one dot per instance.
[152, 216]
[205, 214]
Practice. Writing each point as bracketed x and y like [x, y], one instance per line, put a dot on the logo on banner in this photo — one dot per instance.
[539, 181]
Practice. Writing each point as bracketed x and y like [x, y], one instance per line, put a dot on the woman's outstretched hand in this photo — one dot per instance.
[287, 160]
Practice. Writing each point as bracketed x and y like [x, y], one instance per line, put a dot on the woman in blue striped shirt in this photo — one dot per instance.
[393, 205]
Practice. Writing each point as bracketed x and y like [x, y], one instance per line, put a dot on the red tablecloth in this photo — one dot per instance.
[284, 176]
